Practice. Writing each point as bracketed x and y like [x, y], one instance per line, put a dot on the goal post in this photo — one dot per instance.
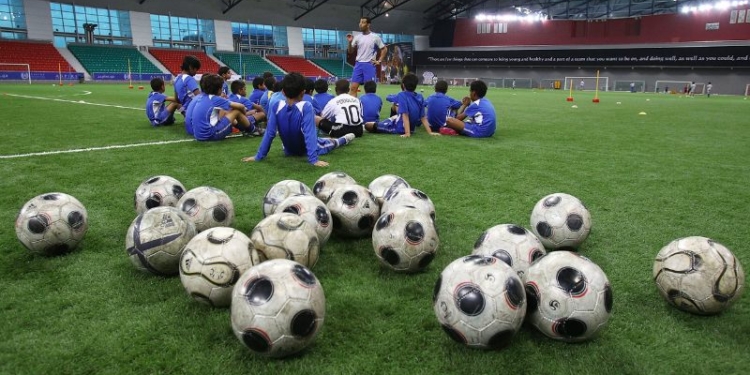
[678, 87]
[25, 70]
[747, 89]
[638, 86]
[551, 83]
[586, 83]
[520, 83]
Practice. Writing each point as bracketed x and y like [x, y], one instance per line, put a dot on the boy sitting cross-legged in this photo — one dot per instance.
[254, 111]
[214, 116]
[410, 111]
[157, 110]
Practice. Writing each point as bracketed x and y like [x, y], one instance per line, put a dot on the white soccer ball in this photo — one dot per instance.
[280, 191]
[278, 308]
[512, 244]
[286, 236]
[409, 197]
[52, 224]
[312, 210]
[479, 301]
[158, 191]
[569, 296]
[698, 275]
[213, 261]
[405, 240]
[326, 184]
[561, 221]
[156, 238]
[385, 185]
[207, 207]
[354, 211]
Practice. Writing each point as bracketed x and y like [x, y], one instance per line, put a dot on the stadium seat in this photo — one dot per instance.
[111, 59]
[172, 60]
[247, 64]
[41, 57]
[298, 64]
[335, 67]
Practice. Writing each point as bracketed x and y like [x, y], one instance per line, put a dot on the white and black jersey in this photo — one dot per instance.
[344, 109]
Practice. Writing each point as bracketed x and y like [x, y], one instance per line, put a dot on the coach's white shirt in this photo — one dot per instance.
[344, 109]
[366, 46]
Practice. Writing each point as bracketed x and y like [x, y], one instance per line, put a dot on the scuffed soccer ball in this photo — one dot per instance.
[327, 183]
[278, 308]
[385, 185]
[52, 224]
[286, 236]
[569, 296]
[479, 302]
[512, 244]
[561, 221]
[156, 238]
[354, 211]
[157, 191]
[207, 207]
[698, 275]
[405, 240]
[213, 261]
[409, 197]
[312, 210]
[280, 191]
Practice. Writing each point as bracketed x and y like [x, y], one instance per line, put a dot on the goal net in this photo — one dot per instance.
[586, 83]
[747, 89]
[22, 71]
[678, 87]
[637, 86]
[459, 81]
[551, 84]
[520, 83]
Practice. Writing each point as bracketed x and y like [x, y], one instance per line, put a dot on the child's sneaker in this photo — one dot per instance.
[447, 131]
[349, 137]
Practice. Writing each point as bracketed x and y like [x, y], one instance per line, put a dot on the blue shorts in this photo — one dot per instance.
[475, 131]
[390, 125]
[221, 130]
[164, 118]
[363, 72]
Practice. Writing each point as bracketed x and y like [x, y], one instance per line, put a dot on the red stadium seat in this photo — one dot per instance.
[298, 64]
[172, 60]
[41, 57]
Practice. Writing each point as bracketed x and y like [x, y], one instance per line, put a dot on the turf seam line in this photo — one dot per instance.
[73, 101]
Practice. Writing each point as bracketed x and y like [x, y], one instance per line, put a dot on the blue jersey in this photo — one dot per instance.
[184, 87]
[256, 95]
[156, 109]
[206, 116]
[439, 106]
[189, 113]
[481, 113]
[412, 104]
[225, 89]
[264, 99]
[237, 98]
[322, 99]
[296, 126]
[371, 106]
[317, 109]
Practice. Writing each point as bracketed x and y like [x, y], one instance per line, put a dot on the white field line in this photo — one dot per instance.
[73, 101]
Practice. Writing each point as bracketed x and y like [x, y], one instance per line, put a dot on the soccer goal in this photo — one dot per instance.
[520, 83]
[678, 87]
[23, 71]
[586, 83]
[637, 86]
[747, 89]
[459, 81]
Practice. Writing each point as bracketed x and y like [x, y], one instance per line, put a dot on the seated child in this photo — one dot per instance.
[439, 106]
[410, 111]
[478, 120]
[322, 97]
[259, 87]
[225, 74]
[185, 85]
[214, 116]
[295, 122]
[157, 110]
[371, 103]
[343, 114]
[309, 88]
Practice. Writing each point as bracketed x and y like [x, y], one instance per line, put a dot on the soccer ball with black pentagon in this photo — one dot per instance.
[213, 261]
[409, 197]
[328, 182]
[698, 275]
[312, 210]
[52, 224]
[156, 238]
[569, 296]
[278, 308]
[561, 221]
[479, 301]
[405, 240]
[385, 185]
[354, 211]
[280, 191]
[207, 207]
[286, 236]
[512, 244]
[158, 191]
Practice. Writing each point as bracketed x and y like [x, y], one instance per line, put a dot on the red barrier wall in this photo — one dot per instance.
[665, 28]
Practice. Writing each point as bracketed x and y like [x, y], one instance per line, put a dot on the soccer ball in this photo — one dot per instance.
[354, 211]
[156, 238]
[213, 261]
[409, 197]
[479, 302]
[158, 191]
[385, 185]
[280, 191]
[512, 244]
[207, 207]
[405, 240]
[52, 224]
[570, 298]
[698, 275]
[278, 308]
[286, 236]
[326, 184]
[313, 211]
[561, 221]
